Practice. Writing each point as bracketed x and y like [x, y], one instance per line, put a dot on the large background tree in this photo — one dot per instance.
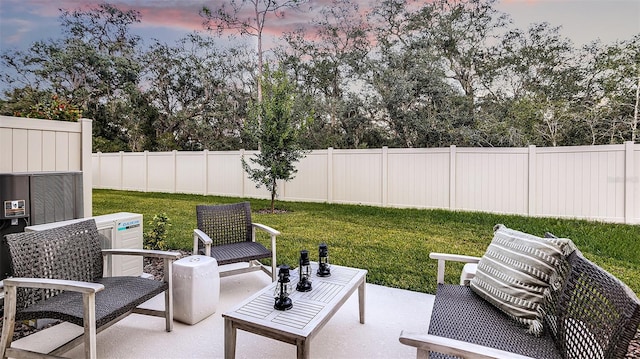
[95, 67]
[400, 74]
[247, 17]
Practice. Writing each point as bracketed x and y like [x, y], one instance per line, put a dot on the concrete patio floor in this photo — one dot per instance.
[388, 311]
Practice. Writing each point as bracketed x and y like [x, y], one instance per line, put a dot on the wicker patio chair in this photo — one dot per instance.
[595, 315]
[226, 233]
[58, 274]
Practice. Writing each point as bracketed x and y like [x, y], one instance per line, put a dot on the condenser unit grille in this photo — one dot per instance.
[55, 197]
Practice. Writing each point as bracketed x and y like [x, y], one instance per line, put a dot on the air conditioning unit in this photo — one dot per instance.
[122, 230]
[31, 198]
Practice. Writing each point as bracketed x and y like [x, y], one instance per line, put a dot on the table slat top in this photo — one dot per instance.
[310, 309]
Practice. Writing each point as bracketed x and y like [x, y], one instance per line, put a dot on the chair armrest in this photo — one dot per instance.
[267, 229]
[199, 235]
[443, 257]
[454, 257]
[273, 233]
[169, 258]
[427, 342]
[142, 252]
[59, 284]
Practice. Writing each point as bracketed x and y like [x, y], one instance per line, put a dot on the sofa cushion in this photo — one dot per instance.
[458, 313]
[516, 271]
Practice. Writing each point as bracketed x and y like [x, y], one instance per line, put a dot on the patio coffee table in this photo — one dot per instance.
[298, 325]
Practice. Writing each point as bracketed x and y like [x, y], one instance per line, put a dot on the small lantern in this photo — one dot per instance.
[283, 289]
[304, 284]
[323, 261]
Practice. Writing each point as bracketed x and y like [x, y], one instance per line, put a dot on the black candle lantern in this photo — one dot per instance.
[323, 261]
[283, 289]
[304, 284]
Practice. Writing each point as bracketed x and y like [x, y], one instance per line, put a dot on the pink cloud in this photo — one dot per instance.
[184, 17]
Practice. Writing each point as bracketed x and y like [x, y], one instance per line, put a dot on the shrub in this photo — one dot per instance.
[155, 237]
[55, 108]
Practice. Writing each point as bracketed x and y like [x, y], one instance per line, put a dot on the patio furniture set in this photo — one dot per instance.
[527, 297]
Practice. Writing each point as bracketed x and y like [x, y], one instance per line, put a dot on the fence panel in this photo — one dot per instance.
[225, 176]
[110, 171]
[582, 182]
[357, 176]
[589, 182]
[134, 171]
[249, 188]
[35, 145]
[310, 182]
[492, 180]
[161, 167]
[190, 172]
[418, 178]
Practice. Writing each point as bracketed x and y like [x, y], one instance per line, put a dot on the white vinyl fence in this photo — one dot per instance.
[33, 145]
[590, 182]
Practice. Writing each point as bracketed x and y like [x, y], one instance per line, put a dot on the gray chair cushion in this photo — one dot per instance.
[120, 295]
[459, 313]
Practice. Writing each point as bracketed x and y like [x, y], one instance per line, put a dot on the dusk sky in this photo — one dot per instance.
[24, 21]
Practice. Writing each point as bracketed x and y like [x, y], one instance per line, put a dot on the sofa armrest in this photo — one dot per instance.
[425, 343]
[443, 257]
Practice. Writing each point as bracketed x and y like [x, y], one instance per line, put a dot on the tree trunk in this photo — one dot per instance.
[273, 197]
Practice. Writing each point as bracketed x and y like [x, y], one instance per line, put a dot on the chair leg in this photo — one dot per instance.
[9, 319]
[422, 354]
[89, 301]
[168, 295]
[274, 274]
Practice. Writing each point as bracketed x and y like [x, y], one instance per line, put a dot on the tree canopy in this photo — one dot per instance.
[398, 75]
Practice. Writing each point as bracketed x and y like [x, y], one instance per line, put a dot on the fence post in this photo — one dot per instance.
[385, 175]
[86, 162]
[175, 171]
[531, 186]
[330, 175]
[630, 180]
[242, 176]
[121, 157]
[452, 177]
[146, 171]
[99, 181]
[206, 171]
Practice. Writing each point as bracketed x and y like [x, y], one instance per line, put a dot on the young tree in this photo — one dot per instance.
[277, 123]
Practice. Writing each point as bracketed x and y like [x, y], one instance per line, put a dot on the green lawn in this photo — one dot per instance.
[393, 244]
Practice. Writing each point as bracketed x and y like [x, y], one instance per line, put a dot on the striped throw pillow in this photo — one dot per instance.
[516, 271]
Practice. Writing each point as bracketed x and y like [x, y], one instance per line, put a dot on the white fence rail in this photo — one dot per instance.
[33, 145]
[590, 182]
